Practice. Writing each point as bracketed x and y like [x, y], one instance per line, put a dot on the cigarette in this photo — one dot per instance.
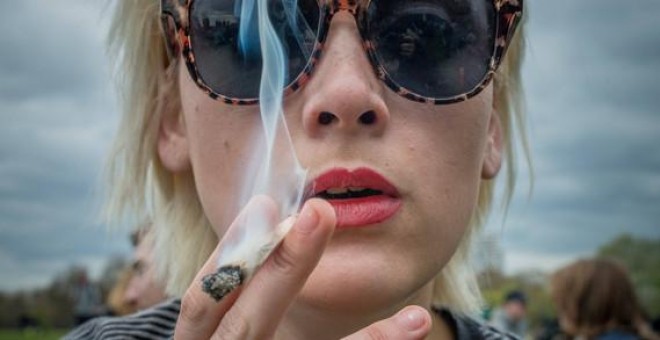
[233, 274]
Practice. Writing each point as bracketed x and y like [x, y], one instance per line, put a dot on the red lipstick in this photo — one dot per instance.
[360, 197]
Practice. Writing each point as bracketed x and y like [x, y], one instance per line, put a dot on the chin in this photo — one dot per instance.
[348, 283]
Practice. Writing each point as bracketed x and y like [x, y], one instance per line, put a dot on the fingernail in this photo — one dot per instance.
[307, 220]
[411, 319]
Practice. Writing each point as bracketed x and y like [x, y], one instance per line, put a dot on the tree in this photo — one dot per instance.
[12, 306]
[642, 258]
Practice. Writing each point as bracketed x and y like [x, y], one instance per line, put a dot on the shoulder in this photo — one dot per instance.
[617, 335]
[155, 323]
[466, 327]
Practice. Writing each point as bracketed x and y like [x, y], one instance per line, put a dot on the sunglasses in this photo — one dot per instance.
[431, 51]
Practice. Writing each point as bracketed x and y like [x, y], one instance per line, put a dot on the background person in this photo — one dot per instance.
[137, 286]
[143, 289]
[87, 299]
[115, 301]
[595, 299]
[512, 315]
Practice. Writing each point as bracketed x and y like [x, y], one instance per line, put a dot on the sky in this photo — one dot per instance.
[593, 107]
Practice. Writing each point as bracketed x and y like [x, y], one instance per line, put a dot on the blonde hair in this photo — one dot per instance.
[457, 285]
[140, 186]
[116, 300]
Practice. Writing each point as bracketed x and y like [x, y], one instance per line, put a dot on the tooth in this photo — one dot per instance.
[356, 189]
[337, 191]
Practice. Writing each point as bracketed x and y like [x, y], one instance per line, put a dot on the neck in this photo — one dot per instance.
[304, 321]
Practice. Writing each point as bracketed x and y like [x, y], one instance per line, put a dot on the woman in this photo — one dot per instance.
[595, 299]
[414, 118]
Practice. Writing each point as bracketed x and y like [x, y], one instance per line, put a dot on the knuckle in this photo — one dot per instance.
[376, 333]
[233, 326]
[192, 309]
[285, 260]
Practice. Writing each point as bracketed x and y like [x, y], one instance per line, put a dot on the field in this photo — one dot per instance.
[12, 334]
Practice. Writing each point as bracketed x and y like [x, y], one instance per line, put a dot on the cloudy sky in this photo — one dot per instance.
[591, 76]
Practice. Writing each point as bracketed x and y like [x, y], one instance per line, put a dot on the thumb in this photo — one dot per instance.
[412, 322]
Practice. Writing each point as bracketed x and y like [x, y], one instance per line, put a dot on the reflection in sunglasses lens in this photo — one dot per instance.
[230, 62]
[433, 48]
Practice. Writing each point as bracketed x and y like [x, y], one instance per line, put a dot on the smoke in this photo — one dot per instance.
[275, 170]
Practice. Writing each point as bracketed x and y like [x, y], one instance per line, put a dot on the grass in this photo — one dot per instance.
[45, 334]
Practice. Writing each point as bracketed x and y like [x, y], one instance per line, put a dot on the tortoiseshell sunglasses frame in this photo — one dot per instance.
[176, 27]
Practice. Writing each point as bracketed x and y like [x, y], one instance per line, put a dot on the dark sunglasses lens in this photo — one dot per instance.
[434, 48]
[225, 42]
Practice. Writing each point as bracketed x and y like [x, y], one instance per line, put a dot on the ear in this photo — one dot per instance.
[492, 160]
[173, 143]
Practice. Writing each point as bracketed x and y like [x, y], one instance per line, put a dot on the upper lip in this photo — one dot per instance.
[342, 178]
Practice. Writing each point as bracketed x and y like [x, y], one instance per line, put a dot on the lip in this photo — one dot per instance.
[360, 211]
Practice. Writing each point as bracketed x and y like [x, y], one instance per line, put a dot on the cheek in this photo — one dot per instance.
[444, 153]
[219, 141]
[447, 166]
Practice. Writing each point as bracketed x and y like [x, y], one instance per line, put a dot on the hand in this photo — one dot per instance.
[412, 322]
[255, 310]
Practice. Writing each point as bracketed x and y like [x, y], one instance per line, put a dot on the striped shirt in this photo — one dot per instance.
[159, 321]
[155, 323]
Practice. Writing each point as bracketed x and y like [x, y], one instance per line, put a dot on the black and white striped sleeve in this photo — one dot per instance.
[154, 323]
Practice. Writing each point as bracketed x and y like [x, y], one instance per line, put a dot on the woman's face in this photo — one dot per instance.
[434, 156]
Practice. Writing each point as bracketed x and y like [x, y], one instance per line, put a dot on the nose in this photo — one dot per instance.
[130, 297]
[344, 95]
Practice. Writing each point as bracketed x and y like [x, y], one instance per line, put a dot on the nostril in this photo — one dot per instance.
[326, 118]
[367, 118]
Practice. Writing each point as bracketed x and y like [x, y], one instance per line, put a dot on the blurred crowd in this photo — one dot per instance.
[593, 299]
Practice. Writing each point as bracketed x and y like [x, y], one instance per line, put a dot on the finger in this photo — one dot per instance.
[259, 309]
[412, 322]
[200, 314]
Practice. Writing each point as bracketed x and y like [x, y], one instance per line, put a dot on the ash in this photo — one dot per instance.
[223, 281]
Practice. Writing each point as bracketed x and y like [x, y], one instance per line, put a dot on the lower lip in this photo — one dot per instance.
[364, 211]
